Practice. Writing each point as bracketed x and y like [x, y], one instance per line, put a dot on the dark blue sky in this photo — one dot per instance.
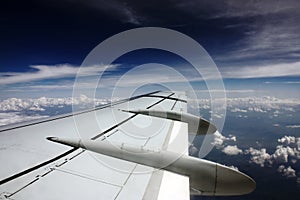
[260, 37]
[255, 45]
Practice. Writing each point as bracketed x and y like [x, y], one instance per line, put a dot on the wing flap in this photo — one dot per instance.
[65, 185]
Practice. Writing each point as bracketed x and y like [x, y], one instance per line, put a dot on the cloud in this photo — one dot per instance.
[146, 74]
[219, 139]
[238, 110]
[254, 104]
[236, 8]
[274, 42]
[152, 73]
[40, 72]
[293, 126]
[227, 91]
[140, 75]
[14, 110]
[283, 153]
[262, 71]
[17, 117]
[292, 142]
[232, 150]
[267, 31]
[284, 82]
[288, 172]
[15, 104]
[258, 156]
[287, 152]
[234, 167]
[287, 140]
[64, 86]
[291, 82]
[243, 105]
[262, 29]
[261, 104]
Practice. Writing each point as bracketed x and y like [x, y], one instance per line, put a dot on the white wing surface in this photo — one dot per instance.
[35, 168]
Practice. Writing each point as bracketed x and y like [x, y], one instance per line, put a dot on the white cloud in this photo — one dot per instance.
[227, 91]
[232, 150]
[238, 110]
[291, 82]
[254, 104]
[282, 154]
[51, 87]
[273, 37]
[284, 82]
[258, 156]
[256, 8]
[288, 172]
[293, 146]
[234, 167]
[272, 70]
[15, 104]
[219, 139]
[51, 72]
[287, 140]
[17, 117]
[262, 104]
[289, 109]
[13, 110]
[232, 138]
[140, 75]
[287, 152]
[293, 126]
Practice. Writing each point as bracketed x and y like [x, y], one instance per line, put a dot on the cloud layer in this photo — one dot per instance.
[41, 72]
[17, 117]
[262, 71]
[16, 110]
[243, 105]
[14, 104]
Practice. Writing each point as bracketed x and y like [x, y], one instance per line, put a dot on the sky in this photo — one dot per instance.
[255, 44]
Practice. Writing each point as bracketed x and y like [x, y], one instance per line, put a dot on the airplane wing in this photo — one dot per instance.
[115, 151]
